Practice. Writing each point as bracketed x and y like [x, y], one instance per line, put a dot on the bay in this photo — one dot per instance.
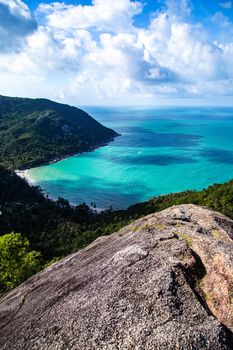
[160, 150]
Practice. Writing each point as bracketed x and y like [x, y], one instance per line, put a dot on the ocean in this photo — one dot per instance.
[160, 150]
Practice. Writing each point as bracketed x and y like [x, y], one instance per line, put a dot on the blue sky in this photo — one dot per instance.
[111, 52]
[201, 9]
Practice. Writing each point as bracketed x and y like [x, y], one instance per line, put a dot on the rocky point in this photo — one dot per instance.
[163, 282]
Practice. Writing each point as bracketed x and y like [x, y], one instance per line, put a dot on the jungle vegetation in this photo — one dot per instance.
[56, 229]
[35, 230]
[37, 131]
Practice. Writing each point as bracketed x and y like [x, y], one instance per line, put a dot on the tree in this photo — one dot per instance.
[17, 262]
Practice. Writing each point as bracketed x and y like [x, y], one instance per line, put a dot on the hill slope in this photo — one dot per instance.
[163, 282]
[57, 229]
[54, 228]
[34, 131]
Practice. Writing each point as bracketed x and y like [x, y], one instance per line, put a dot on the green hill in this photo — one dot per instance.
[57, 229]
[37, 131]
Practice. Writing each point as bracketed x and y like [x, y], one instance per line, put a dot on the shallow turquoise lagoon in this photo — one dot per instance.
[159, 151]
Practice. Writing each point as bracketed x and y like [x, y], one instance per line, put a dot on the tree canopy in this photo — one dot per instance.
[17, 261]
[37, 131]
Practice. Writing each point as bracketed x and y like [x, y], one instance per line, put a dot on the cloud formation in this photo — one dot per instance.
[96, 54]
[103, 15]
[226, 5]
[16, 22]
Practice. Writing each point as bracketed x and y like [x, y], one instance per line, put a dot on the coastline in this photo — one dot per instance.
[93, 148]
[24, 173]
[62, 157]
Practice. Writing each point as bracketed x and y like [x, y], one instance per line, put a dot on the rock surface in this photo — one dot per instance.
[164, 282]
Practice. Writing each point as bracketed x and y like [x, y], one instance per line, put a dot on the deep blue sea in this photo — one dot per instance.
[160, 150]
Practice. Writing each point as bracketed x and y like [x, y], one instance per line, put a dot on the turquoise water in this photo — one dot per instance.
[160, 151]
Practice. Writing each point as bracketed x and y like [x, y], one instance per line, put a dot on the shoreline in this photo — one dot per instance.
[58, 159]
[23, 173]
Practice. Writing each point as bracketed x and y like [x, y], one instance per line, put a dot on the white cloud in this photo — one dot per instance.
[226, 5]
[222, 28]
[95, 54]
[182, 48]
[181, 8]
[112, 15]
[16, 22]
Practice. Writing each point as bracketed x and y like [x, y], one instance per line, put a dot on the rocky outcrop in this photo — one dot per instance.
[163, 282]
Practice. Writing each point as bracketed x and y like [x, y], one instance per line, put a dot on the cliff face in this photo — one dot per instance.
[163, 282]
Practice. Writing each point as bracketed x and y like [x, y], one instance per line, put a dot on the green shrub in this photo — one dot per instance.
[17, 262]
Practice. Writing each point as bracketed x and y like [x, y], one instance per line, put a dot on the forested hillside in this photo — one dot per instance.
[57, 229]
[36, 131]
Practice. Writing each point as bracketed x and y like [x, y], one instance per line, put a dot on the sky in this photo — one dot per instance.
[118, 52]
